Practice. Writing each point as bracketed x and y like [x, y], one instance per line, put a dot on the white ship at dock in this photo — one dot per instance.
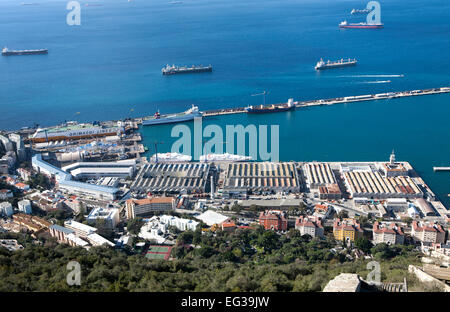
[158, 119]
[74, 131]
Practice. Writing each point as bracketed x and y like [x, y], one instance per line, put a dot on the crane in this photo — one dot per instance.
[156, 149]
[264, 96]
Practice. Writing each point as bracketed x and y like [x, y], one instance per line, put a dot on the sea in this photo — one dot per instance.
[109, 67]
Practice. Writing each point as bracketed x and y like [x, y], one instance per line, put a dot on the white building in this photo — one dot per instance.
[211, 217]
[397, 204]
[157, 227]
[80, 229]
[110, 215]
[24, 206]
[6, 209]
[97, 240]
[65, 182]
[179, 223]
[85, 170]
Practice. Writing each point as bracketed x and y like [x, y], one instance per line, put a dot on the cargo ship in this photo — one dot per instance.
[274, 108]
[336, 64]
[7, 52]
[171, 70]
[356, 11]
[74, 131]
[361, 25]
[158, 119]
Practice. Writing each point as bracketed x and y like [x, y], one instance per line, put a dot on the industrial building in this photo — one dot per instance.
[64, 181]
[95, 170]
[318, 174]
[365, 180]
[265, 177]
[172, 178]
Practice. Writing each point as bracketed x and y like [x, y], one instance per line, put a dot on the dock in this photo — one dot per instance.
[341, 100]
[441, 168]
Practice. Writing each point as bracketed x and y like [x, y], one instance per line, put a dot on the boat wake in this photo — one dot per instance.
[376, 81]
[372, 76]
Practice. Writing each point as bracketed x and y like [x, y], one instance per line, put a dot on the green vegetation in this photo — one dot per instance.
[40, 181]
[246, 260]
[134, 225]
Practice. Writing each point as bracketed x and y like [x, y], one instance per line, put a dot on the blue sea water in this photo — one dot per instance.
[109, 68]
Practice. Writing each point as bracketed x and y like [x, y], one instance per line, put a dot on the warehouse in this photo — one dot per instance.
[263, 177]
[366, 181]
[318, 174]
[172, 178]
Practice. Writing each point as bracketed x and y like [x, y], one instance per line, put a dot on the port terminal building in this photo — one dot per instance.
[172, 178]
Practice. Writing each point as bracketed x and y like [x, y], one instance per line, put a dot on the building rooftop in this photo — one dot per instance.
[61, 229]
[80, 226]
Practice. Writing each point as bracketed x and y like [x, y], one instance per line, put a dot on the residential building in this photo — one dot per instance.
[309, 225]
[146, 206]
[5, 194]
[347, 230]
[80, 229]
[32, 223]
[24, 206]
[24, 174]
[6, 209]
[22, 186]
[109, 215]
[67, 236]
[273, 220]
[428, 232]
[389, 233]
[323, 211]
[228, 225]
[97, 240]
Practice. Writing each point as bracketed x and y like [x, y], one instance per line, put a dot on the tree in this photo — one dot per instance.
[134, 225]
[343, 214]
[236, 208]
[362, 243]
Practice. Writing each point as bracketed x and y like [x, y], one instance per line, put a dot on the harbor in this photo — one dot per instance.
[341, 100]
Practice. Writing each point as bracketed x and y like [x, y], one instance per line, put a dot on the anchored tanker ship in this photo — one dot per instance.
[341, 63]
[7, 52]
[361, 25]
[158, 119]
[171, 70]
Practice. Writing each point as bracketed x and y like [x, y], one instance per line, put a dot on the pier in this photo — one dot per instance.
[341, 100]
[441, 168]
